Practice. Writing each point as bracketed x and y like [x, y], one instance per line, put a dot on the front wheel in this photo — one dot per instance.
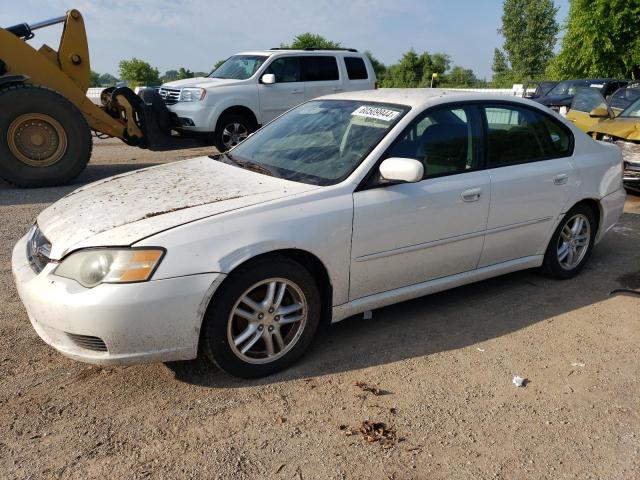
[571, 243]
[232, 129]
[263, 318]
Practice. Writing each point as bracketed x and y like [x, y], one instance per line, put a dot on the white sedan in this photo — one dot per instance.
[342, 205]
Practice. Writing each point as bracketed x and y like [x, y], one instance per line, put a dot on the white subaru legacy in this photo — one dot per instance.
[342, 205]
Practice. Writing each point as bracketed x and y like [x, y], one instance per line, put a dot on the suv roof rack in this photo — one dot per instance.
[309, 49]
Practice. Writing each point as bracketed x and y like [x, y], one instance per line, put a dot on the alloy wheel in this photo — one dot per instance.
[267, 320]
[233, 134]
[573, 242]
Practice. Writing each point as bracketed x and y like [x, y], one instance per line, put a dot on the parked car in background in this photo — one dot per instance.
[595, 116]
[623, 97]
[252, 88]
[540, 89]
[342, 205]
[559, 98]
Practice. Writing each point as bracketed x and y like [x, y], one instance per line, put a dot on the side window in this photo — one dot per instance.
[318, 69]
[587, 99]
[519, 135]
[446, 141]
[356, 69]
[286, 69]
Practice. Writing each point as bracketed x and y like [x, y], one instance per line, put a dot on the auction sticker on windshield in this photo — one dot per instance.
[377, 113]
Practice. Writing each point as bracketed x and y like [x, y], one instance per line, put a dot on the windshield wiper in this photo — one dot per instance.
[249, 165]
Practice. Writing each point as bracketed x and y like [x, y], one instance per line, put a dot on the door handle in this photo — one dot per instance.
[337, 89]
[297, 91]
[561, 179]
[471, 195]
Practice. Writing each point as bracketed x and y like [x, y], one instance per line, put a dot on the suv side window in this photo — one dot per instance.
[446, 141]
[319, 68]
[356, 69]
[286, 69]
[519, 135]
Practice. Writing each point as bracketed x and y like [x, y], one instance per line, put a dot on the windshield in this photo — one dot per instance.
[320, 142]
[239, 67]
[632, 111]
[565, 88]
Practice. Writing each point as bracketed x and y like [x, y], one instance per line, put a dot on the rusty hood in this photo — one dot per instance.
[123, 209]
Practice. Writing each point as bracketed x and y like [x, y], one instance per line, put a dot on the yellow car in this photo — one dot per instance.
[592, 114]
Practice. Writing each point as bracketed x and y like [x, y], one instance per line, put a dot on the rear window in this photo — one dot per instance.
[318, 69]
[356, 69]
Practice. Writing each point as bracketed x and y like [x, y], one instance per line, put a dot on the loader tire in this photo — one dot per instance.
[44, 139]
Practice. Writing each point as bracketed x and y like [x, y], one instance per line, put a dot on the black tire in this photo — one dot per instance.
[24, 99]
[226, 119]
[214, 341]
[551, 265]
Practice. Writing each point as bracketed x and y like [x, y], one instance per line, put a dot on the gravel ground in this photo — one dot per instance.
[441, 367]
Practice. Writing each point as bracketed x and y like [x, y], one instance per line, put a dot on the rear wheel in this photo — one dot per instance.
[263, 318]
[44, 139]
[232, 129]
[571, 244]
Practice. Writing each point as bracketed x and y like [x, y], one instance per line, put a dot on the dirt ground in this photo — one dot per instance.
[443, 364]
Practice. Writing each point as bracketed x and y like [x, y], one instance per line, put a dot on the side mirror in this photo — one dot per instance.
[401, 170]
[268, 79]
[599, 113]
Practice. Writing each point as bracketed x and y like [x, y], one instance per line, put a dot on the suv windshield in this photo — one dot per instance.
[320, 142]
[239, 67]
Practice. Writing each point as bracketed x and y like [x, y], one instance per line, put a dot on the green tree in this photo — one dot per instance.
[94, 79]
[502, 74]
[601, 40]
[169, 76]
[107, 80]
[311, 40]
[218, 64]
[184, 73]
[138, 73]
[378, 67]
[459, 77]
[529, 29]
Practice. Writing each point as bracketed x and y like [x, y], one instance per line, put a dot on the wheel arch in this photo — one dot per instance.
[596, 207]
[308, 260]
[239, 110]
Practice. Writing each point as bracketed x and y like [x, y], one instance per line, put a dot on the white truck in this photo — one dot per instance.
[252, 88]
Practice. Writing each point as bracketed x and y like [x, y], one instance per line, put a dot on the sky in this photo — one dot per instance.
[195, 34]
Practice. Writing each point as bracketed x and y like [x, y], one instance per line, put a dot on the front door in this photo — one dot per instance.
[409, 233]
[286, 93]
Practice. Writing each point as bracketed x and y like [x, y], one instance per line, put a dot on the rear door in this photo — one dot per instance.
[321, 75]
[286, 93]
[528, 160]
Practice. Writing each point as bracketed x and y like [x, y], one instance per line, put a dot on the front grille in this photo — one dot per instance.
[88, 342]
[38, 249]
[170, 95]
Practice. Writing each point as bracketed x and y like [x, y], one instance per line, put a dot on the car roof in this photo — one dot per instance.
[280, 51]
[425, 97]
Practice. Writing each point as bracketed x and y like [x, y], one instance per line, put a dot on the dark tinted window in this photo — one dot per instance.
[356, 69]
[446, 141]
[286, 69]
[317, 69]
[518, 135]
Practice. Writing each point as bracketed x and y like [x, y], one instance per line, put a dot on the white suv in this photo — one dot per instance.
[252, 88]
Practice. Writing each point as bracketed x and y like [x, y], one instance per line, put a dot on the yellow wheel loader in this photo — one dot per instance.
[46, 118]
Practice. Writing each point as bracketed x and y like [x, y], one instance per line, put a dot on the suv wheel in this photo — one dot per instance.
[232, 129]
[263, 319]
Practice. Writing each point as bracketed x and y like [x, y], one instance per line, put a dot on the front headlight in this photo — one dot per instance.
[110, 265]
[192, 94]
